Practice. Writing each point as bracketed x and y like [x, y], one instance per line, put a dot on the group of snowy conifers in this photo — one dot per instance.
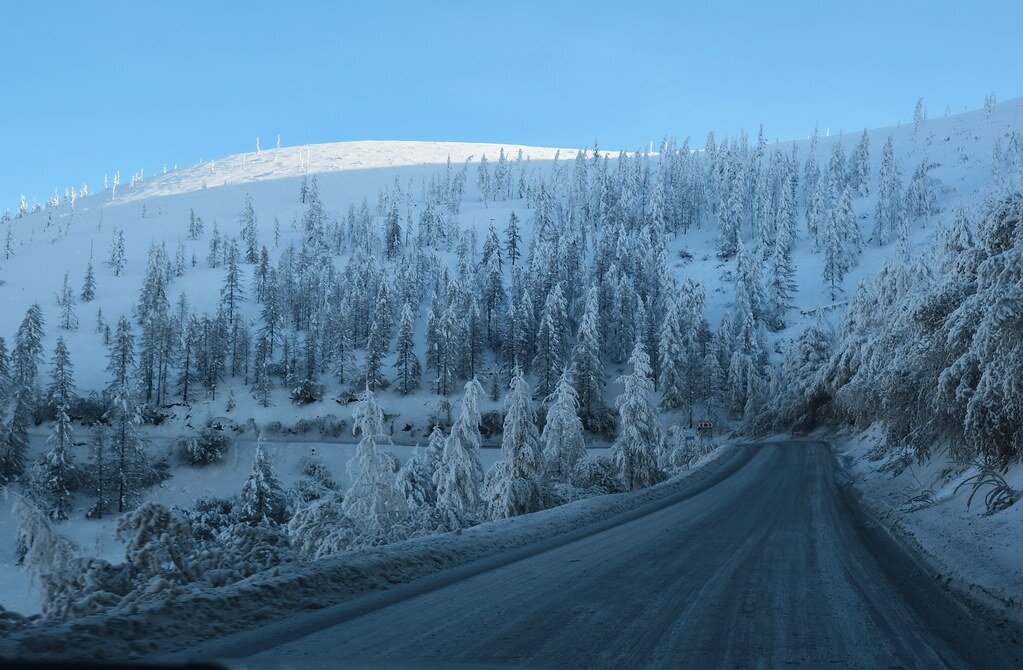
[440, 488]
[444, 486]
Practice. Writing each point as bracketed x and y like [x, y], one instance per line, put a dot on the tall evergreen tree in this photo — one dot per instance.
[640, 441]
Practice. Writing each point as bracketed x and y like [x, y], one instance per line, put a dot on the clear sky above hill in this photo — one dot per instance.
[91, 88]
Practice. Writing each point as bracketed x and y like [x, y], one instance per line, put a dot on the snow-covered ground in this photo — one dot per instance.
[46, 244]
[974, 553]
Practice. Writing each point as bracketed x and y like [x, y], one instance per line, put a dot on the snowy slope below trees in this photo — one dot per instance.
[41, 247]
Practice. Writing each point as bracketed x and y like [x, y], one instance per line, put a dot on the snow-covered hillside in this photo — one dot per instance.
[607, 244]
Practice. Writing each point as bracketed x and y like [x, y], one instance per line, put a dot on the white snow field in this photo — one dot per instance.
[45, 245]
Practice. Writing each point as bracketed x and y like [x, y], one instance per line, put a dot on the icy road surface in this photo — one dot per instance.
[771, 565]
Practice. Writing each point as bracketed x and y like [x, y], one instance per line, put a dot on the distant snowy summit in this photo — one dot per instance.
[283, 162]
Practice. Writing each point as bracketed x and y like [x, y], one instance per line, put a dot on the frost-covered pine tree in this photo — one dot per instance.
[781, 286]
[551, 342]
[843, 244]
[88, 293]
[56, 476]
[513, 239]
[484, 183]
[512, 488]
[129, 464]
[519, 445]
[921, 194]
[817, 214]
[639, 444]
[373, 503]
[888, 209]
[859, 166]
[406, 362]
[249, 231]
[66, 302]
[672, 352]
[195, 226]
[263, 500]
[459, 478]
[117, 260]
[588, 369]
[562, 444]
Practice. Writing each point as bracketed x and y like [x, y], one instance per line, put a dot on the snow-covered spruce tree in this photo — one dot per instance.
[66, 302]
[263, 500]
[129, 462]
[888, 209]
[415, 484]
[56, 476]
[376, 349]
[195, 226]
[817, 213]
[24, 381]
[459, 478]
[837, 177]
[551, 342]
[781, 284]
[588, 369]
[512, 484]
[88, 293]
[513, 239]
[562, 444]
[672, 352]
[373, 503]
[842, 245]
[249, 231]
[859, 166]
[406, 362]
[639, 444]
[484, 183]
[117, 260]
[921, 194]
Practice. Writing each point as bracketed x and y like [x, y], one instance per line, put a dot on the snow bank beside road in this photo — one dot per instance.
[976, 555]
[211, 614]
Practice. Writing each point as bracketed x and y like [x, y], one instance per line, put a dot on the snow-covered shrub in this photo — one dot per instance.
[598, 474]
[90, 585]
[601, 421]
[508, 495]
[999, 494]
[332, 426]
[490, 423]
[158, 541]
[307, 391]
[209, 516]
[313, 466]
[321, 529]
[209, 446]
[244, 549]
[88, 410]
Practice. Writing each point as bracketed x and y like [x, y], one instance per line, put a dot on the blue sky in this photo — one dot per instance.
[90, 88]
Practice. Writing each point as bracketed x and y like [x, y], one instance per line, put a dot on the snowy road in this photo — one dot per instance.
[772, 565]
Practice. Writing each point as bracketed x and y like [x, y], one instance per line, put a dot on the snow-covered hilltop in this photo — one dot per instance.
[314, 159]
[214, 330]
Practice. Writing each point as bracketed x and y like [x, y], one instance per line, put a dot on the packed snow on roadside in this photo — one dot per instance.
[973, 552]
